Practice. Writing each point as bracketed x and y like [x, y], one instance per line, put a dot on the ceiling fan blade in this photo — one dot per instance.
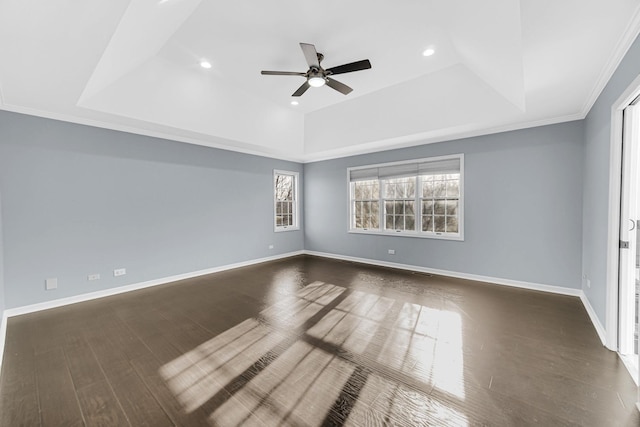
[281, 73]
[348, 68]
[302, 89]
[310, 54]
[340, 87]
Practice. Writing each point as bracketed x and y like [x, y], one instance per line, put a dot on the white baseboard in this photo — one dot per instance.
[133, 287]
[495, 280]
[631, 363]
[600, 330]
[114, 291]
[594, 319]
[119, 290]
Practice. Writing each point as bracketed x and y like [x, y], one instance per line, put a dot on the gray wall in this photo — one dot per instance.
[2, 292]
[523, 208]
[78, 200]
[596, 180]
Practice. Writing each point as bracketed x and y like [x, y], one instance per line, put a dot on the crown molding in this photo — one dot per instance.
[428, 138]
[622, 47]
[371, 147]
[144, 132]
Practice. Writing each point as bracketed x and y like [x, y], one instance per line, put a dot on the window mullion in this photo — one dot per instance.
[417, 206]
[382, 207]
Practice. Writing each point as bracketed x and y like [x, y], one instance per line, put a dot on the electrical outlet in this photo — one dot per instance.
[270, 246]
[93, 277]
[50, 284]
[392, 251]
[119, 272]
[588, 283]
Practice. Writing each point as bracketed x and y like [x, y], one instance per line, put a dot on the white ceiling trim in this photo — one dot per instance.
[423, 139]
[188, 103]
[622, 47]
[144, 132]
[373, 147]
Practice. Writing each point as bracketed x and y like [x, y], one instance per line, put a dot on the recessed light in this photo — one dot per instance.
[205, 64]
[428, 52]
[294, 102]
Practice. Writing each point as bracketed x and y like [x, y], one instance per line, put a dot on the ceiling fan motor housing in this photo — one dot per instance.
[316, 77]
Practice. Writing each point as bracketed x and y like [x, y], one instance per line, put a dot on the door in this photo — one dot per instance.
[629, 269]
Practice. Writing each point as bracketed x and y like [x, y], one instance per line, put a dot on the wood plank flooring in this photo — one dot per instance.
[311, 341]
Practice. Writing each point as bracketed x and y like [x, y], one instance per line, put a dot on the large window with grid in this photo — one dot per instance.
[285, 200]
[419, 198]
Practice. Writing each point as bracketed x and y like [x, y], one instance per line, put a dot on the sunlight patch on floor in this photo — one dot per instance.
[299, 390]
[324, 352]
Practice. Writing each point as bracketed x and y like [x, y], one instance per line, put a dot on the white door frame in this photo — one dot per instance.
[628, 217]
[613, 235]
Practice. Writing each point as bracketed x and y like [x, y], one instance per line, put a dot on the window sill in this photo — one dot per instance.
[281, 229]
[456, 237]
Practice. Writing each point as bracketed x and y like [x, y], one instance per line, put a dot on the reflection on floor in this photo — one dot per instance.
[309, 341]
[328, 354]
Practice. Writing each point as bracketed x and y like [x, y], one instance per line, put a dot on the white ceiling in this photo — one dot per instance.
[134, 66]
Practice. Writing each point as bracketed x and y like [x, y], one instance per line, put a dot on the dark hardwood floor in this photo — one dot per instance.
[312, 341]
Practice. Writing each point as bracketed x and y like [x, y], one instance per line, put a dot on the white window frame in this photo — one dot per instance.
[295, 205]
[459, 236]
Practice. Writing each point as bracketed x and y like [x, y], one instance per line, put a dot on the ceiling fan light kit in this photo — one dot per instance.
[317, 76]
[316, 81]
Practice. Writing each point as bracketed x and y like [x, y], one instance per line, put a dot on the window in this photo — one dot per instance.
[419, 198]
[439, 203]
[366, 204]
[399, 197]
[285, 200]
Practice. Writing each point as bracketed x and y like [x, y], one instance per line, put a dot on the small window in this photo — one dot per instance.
[417, 198]
[285, 200]
[366, 205]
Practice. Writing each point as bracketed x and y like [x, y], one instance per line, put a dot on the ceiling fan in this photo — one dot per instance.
[317, 76]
